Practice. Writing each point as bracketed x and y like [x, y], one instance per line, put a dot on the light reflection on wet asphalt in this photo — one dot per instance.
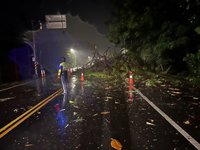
[90, 115]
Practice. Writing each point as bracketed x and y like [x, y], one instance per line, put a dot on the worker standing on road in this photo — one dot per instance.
[63, 74]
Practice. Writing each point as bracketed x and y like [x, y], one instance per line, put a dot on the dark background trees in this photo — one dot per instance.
[161, 33]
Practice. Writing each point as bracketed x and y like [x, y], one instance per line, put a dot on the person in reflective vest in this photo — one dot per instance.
[62, 74]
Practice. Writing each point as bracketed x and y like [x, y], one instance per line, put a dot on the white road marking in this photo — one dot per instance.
[14, 86]
[174, 124]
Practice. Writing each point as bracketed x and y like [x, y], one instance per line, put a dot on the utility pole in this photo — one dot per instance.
[34, 50]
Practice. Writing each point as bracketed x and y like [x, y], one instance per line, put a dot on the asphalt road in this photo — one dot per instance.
[87, 118]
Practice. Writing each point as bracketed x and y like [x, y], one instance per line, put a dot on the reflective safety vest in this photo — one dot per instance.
[62, 70]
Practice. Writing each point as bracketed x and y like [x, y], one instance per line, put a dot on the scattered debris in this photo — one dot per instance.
[75, 106]
[175, 92]
[107, 121]
[79, 120]
[108, 88]
[116, 102]
[105, 112]
[174, 89]
[149, 123]
[109, 97]
[116, 144]
[66, 125]
[28, 145]
[75, 113]
[15, 110]
[95, 114]
[187, 122]
[71, 102]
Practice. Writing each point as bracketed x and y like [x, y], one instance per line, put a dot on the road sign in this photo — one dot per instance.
[56, 21]
[56, 25]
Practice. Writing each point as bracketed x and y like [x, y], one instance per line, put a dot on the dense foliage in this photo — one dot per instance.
[160, 33]
[193, 62]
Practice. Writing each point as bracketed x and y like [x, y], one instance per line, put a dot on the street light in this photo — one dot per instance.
[73, 51]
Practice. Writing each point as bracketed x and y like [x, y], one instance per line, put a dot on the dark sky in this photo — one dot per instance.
[86, 25]
[93, 11]
[19, 13]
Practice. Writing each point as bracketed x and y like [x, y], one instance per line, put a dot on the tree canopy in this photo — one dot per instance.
[159, 32]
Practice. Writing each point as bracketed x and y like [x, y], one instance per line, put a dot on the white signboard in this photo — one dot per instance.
[56, 25]
[56, 21]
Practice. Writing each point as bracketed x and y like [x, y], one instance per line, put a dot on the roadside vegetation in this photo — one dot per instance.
[162, 37]
[116, 67]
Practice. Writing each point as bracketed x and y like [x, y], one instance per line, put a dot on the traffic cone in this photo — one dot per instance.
[130, 87]
[130, 96]
[131, 81]
[82, 76]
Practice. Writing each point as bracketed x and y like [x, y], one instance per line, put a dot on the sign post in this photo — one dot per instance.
[34, 51]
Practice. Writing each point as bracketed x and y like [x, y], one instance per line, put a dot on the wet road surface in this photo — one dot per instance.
[87, 118]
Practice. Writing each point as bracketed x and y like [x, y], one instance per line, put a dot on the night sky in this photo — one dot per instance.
[19, 13]
[85, 27]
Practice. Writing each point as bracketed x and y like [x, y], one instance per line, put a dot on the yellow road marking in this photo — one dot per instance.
[27, 114]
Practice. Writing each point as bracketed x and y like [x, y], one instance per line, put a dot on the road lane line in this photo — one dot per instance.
[27, 116]
[9, 124]
[173, 123]
[28, 113]
[15, 86]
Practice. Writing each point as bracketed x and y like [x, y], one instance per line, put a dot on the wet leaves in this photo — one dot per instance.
[75, 113]
[108, 88]
[149, 123]
[79, 120]
[66, 125]
[28, 145]
[105, 112]
[108, 98]
[195, 98]
[187, 122]
[116, 144]
[174, 89]
[175, 92]
[71, 102]
[16, 110]
[195, 104]
[76, 107]
[95, 114]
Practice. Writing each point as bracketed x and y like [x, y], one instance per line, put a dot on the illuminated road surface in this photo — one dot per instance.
[86, 118]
